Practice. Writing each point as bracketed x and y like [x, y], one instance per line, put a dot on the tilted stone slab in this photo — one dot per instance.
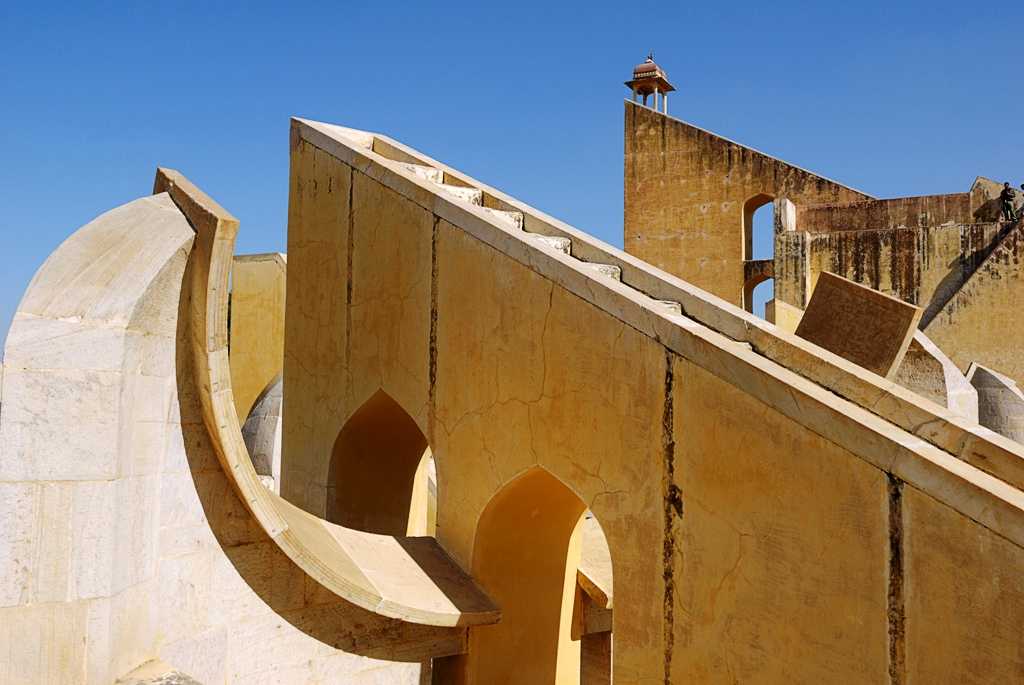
[869, 328]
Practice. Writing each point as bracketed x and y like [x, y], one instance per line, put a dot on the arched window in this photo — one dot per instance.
[381, 470]
[758, 246]
[528, 553]
[761, 295]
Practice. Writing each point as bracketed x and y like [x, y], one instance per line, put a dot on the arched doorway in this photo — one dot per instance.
[758, 252]
[527, 555]
[380, 473]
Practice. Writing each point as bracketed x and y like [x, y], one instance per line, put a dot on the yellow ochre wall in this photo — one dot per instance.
[745, 546]
[257, 325]
[685, 191]
[984, 321]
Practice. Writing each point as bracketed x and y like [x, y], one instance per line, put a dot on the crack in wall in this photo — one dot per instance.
[673, 507]
[432, 342]
[349, 286]
[895, 598]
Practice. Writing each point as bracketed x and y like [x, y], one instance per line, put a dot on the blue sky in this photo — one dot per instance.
[894, 99]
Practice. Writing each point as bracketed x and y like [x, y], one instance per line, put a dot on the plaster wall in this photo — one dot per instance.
[921, 266]
[687, 192]
[950, 601]
[746, 545]
[982, 322]
[903, 212]
[257, 325]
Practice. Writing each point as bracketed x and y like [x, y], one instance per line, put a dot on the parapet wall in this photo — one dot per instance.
[871, 215]
[915, 264]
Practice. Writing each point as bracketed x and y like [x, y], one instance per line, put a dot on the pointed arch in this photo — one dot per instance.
[758, 251]
[372, 478]
[527, 553]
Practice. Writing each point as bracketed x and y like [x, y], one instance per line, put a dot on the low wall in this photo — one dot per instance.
[872, 215]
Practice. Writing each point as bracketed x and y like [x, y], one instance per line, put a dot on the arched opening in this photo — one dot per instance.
[759, 227]
[758, 252]
[763, 294]
[529, 555]
[380, 472]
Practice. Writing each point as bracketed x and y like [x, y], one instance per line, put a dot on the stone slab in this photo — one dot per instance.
[861, 325]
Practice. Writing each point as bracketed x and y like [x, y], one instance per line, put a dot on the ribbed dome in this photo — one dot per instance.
[647, 75]
[649, 68]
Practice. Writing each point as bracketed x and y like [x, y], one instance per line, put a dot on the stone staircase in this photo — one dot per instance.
[514, 220]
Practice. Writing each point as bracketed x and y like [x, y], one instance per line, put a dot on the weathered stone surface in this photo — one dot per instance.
[1000, 402]
[741, 532]
[547, 373]
[926, 370]
[690, 197]
[770, 510]
[964, 598]
[982, 321]
[864, 326]
[107, 557]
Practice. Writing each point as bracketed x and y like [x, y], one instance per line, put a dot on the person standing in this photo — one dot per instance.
[1007, 199]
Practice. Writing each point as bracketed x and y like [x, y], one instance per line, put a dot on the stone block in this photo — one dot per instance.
[203, 655]
[149, 354]
[40, 343]
[927, 370]
[135, 531]
[183, 597]
[43, 643]
[40, 406]
[1000, 402]
[869, 328]
[19, 511]
[94, 515]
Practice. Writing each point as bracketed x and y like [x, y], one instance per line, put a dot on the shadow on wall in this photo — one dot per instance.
[527, 551]
[378, 480]
[960, 270]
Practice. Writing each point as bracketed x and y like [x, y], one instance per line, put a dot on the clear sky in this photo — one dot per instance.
[891, 98]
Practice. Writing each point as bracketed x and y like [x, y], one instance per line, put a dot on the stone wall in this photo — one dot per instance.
[873, 215]
[257, 325]
[983, 321]
[917, 264]
[756, 521]
[688, 194]
[87, 392]
[123, 541]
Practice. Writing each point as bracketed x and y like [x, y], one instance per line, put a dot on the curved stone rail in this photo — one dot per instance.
[411, 579]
